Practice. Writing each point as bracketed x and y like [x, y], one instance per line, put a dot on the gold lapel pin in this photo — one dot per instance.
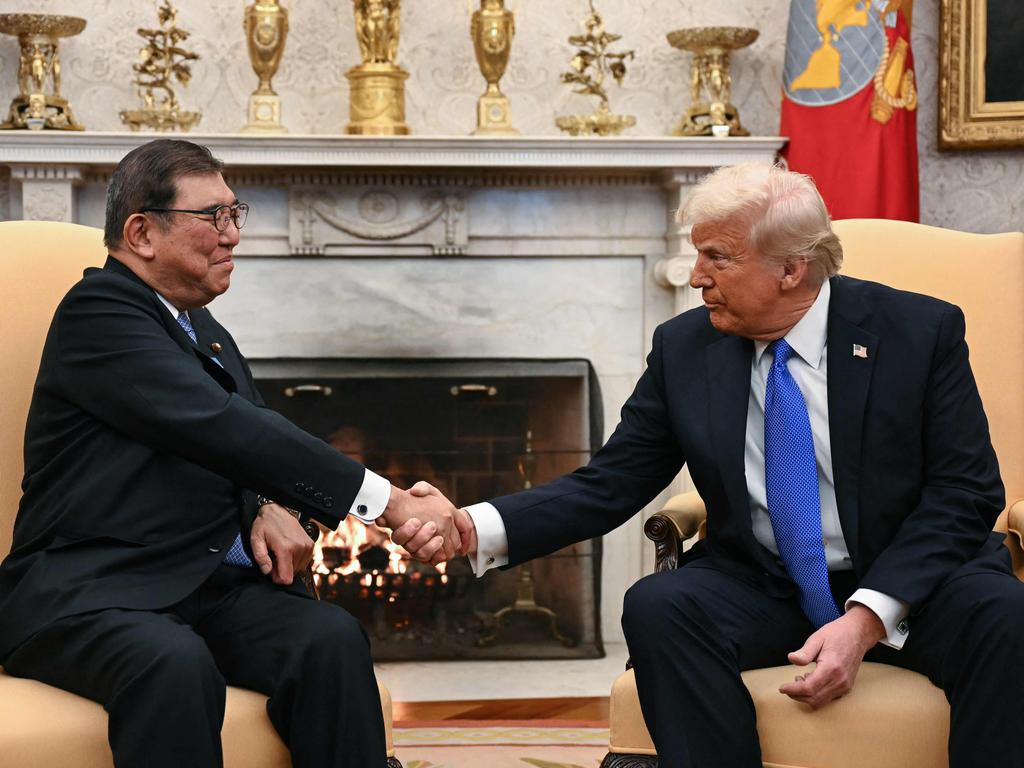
[216, 347]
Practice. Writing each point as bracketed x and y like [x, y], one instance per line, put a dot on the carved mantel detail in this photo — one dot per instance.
[322, 221]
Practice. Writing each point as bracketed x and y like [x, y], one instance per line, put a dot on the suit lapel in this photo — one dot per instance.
[208, 333]
[729, 360]
[849, 381]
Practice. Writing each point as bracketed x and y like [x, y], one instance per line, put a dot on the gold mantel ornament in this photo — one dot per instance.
[266, 27]
[377, 86]
[492, 27]
[39, 66]
[709, 73]
[589, 67]
[160, 61]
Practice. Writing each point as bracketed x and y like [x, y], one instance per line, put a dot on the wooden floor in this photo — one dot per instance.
[590, 709]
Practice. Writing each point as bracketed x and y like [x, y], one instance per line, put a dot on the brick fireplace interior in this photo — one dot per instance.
[476, 429]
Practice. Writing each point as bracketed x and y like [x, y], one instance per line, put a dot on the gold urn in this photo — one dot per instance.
[377, 86]
[266, 27]
[39, 104]
[492, 28]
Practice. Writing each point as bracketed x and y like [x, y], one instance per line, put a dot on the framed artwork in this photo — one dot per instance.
[981, 74]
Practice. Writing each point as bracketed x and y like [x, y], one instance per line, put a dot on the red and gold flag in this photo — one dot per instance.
[849, 105]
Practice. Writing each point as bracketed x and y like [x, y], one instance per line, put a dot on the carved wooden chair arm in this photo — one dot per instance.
[682, 518]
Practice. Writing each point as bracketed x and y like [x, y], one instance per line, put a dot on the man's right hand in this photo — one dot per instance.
[424, 524]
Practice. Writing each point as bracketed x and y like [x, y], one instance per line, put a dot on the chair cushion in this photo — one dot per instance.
[893, 718]
[44, 727]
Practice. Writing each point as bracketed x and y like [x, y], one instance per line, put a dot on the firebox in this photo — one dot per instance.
[476, 429]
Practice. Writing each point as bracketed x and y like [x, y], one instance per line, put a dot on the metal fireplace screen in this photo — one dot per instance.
[476, 429]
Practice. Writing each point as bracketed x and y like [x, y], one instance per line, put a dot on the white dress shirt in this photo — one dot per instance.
[374, 492]
[809, 367]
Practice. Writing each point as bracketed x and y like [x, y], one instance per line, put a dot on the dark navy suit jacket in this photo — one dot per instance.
[142, 460]
[916, 479]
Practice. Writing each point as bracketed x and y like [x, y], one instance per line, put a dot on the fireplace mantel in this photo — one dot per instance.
[99, 149]
[546, 248]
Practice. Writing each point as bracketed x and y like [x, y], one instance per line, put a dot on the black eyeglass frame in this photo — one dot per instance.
[234, 209]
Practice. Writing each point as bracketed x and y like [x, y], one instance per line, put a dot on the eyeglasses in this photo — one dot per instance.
[221, 215]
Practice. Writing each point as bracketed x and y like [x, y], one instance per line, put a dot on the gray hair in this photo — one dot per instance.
[783, 212]
[148, 177]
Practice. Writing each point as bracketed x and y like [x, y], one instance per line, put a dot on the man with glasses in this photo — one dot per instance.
[150, 567]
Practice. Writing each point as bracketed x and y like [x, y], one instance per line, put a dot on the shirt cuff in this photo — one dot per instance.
[890, 611]
[372, 498]
[491, 539]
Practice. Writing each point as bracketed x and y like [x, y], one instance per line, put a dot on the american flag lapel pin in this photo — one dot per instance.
[860, 351]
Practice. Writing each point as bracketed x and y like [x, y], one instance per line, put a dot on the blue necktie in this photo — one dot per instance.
[236, 554]
[791, 482]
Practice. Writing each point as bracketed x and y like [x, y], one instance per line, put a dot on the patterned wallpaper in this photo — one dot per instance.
[974, 191]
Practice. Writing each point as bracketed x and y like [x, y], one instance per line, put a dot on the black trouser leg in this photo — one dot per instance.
[151, 672]
[311, 658]
[970, 642]
[690, 633]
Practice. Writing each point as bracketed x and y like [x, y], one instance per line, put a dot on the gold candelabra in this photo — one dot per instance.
[39, 104]
[711, 113]
[162, 60]
[377, 86]
[266, 27]
[492, 28]
[589, 67]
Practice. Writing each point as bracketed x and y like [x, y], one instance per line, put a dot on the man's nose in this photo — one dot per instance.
[699, 277]
[231, 234]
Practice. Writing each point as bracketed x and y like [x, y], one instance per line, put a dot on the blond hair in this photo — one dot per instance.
[783, 213]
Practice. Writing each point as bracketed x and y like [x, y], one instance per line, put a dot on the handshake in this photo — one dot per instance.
[427, 525]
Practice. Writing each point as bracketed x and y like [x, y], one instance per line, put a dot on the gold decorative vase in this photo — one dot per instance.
[377, 86]
[37, 106]
[492, 28]
[711, 113]
[266, 27]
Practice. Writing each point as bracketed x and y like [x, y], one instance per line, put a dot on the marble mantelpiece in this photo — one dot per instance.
[418, 247]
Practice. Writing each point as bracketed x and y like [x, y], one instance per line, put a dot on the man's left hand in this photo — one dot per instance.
[277, 532]
[838, 648]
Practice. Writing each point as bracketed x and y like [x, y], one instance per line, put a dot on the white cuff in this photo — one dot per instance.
[491, 539]
[372, 498]
[890, 611]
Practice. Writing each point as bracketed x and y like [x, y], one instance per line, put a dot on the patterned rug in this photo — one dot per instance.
[500, 744]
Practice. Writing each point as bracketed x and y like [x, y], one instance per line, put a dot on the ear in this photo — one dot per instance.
[794, 272]
[138, 235]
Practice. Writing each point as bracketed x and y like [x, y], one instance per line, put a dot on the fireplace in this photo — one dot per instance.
[475, 429]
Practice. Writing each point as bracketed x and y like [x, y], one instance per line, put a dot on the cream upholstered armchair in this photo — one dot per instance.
[893, 718]
[42, 726]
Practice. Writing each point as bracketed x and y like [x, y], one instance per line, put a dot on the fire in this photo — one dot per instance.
[338, 552]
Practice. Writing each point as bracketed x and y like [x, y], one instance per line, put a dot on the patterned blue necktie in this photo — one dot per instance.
[791, 482]
[236, 554]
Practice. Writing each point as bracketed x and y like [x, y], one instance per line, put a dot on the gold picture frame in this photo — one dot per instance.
[969, 116]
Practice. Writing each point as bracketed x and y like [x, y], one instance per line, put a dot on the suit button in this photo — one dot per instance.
[318, 497]
[328, 502]
[299, 487]
[308, 490]
[215, 549]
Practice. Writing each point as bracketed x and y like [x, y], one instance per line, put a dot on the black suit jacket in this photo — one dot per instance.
[917, 482]
[142, 460]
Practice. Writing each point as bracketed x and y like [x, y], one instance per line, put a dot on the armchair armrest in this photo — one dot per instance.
[1015, 537]
[682, 518]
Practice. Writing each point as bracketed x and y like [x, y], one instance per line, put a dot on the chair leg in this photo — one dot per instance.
[623, 760]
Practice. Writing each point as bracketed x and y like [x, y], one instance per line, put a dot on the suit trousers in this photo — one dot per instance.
[161, 675]
[692, 631]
